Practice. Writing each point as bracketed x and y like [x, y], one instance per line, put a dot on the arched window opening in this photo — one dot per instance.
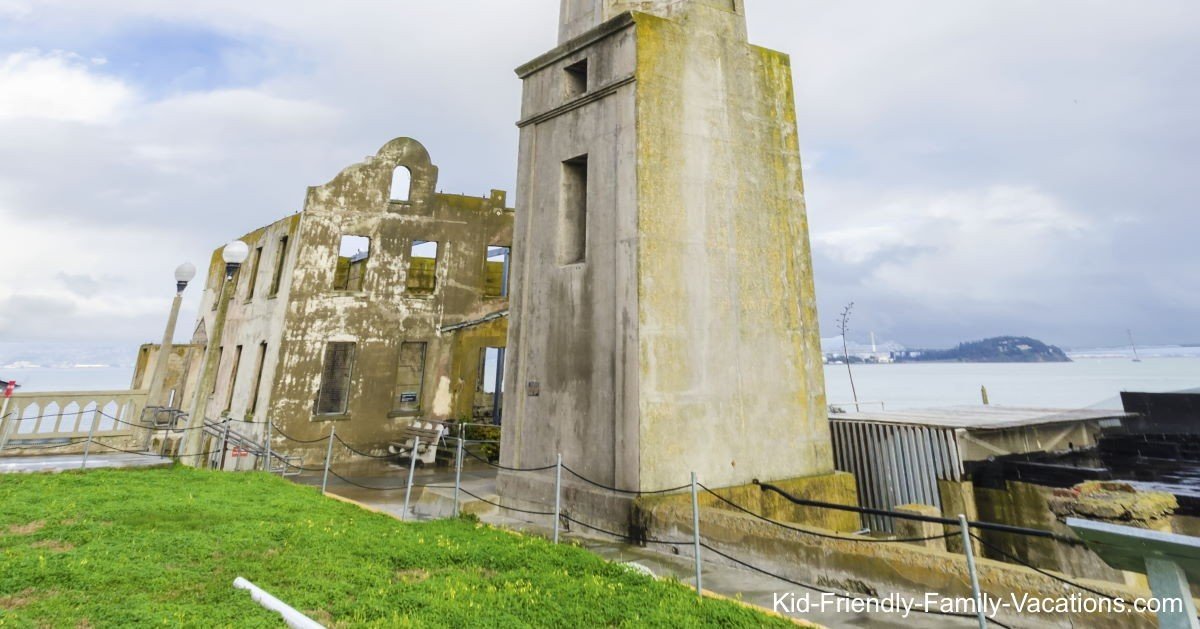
[401, 184]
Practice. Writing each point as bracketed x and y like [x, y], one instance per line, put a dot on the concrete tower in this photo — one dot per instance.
[663, 316]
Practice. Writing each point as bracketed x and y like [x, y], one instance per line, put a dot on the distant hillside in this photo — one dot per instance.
[1002, 349]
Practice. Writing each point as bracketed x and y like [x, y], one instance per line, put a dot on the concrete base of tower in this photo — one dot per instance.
[634, 516]
[836, 487]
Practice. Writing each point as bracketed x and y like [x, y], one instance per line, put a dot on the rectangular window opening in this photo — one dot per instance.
[220, 359]
[233, 374]
[495, 277]
[575, 82]
[422, 267]
[572, 228]
[258, 376]
[410, 378]
[334, 396]
[491, 384]
[280, 259]
[353, 254]
[255, 264]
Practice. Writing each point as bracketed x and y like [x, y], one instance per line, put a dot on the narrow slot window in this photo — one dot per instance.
[410, 378]
[491, 382]
[353, 254]
[572, 229]
[495, 277]
[334, 396]
[280, 260]
[255, 264]
[258, 376]
[233, 374]
[422, 267]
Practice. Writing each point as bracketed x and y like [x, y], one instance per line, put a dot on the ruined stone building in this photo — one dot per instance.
[381, 302]
[664, 316]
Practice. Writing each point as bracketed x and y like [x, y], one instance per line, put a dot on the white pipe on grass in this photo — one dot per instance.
[293, 618]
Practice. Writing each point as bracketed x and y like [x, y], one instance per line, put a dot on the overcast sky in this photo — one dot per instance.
[973, 168]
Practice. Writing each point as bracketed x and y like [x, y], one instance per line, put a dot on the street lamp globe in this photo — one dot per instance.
[184, 274]
[234, 254]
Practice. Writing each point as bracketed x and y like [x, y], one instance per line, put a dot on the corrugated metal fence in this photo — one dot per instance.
[895, 464]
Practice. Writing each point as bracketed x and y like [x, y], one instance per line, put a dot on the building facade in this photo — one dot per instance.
[382, 302]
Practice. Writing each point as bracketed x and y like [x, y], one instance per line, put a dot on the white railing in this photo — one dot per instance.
[43, 417]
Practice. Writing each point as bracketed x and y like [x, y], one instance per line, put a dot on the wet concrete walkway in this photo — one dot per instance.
[68, 462]
[724, 579]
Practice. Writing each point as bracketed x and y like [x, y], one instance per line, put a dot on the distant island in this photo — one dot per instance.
[1001, 349]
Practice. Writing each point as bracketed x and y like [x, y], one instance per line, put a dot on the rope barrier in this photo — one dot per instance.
[863, 540]
[500, 506]
[629, 492]
[362, 454]
[619, 535]
[300, 441]
[350, 482]
[509, 469]
[1045, 573]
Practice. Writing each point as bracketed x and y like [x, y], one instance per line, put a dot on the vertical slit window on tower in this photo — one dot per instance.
[280, 259]
[334, 396]
[255, 264]
[353, 254]
[576, 79]
[422, 267]
[262, 361]
[233, 374]
[572, 229]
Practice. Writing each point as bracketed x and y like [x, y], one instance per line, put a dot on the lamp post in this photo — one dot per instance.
[184, 274]
[234, 254]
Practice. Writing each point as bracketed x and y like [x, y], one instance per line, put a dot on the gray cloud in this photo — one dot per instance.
[972, 168]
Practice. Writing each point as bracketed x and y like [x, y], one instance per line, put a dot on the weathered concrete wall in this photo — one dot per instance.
[386, 310]
[573, 332]
[876, 569]
[730, 351]
[686, 339]
[182, 371]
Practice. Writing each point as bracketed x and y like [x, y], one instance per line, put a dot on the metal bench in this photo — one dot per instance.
[428, 432]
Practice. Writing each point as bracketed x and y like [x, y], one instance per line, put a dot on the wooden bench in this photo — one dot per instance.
[429, 432]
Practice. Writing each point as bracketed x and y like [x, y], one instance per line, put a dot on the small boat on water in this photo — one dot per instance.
[1136, 358]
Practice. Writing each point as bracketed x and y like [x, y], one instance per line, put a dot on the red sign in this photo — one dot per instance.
[238, 452]
[8, 390]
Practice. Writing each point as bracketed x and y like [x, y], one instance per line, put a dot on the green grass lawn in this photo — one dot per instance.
[162, 548]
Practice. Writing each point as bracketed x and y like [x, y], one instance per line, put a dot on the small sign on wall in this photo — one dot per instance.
[533, 388]
[408, 398]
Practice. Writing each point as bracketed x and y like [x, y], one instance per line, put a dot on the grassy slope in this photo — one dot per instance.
[141, 548]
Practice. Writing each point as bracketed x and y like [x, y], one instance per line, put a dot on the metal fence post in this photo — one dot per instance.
[91, 434]
[412, 468]
[270, 433]
[557, 498]
[696, 536]
[224, 446]
[458, 462]
[328, 457]
[970, 551]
